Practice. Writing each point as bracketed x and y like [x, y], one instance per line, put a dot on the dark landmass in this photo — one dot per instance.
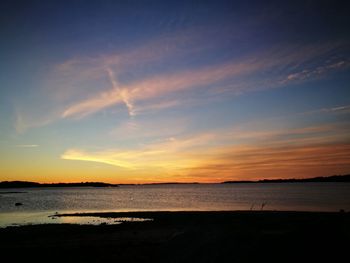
[23, 184]
[171, 183]
[165, 183]
[250, 236]
[334, 178]
[15, 192]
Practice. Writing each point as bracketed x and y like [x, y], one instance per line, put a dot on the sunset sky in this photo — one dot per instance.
[159, 91]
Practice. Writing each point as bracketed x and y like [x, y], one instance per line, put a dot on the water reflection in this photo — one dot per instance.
[208, 197]
[94, 220]
[38, 204]
[20, 219]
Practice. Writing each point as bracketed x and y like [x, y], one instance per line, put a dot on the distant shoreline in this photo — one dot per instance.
[328, 179]
[25, 184]
[319, 179]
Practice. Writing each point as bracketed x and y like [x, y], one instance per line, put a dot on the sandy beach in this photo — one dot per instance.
[185, 237]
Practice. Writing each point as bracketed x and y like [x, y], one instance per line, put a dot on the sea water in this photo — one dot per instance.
[39, 203]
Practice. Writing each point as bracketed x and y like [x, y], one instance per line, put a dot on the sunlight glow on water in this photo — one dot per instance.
[38, 203]
[17, 219]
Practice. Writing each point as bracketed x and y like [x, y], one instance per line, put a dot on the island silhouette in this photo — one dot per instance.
[26, 184]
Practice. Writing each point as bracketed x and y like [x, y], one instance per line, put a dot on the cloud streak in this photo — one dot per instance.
[222, 155]
[123, 93]
[276, 162]
[147, 78]
[319, 71]
[27, 145]
[237, 76]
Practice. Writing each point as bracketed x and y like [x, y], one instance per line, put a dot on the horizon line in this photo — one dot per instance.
[306, 179]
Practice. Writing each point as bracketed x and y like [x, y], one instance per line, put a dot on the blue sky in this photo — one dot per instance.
[153, 91]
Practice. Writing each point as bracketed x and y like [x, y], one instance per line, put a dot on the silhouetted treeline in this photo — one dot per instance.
[23, 184]
[334, 178]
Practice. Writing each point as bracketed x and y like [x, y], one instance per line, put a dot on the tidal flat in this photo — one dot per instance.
[237, 236]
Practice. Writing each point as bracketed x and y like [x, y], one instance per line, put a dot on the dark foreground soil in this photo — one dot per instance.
[186, 237]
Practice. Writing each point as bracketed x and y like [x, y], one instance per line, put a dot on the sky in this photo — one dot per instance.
[173, 91]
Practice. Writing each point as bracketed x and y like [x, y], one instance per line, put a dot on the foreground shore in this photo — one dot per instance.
[185, 237]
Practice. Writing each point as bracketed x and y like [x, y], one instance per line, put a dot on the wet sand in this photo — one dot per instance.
[185, 237]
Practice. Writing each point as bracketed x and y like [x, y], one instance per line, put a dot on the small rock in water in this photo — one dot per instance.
[18, 204]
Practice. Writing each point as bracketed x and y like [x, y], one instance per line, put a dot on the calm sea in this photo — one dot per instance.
[40, 202]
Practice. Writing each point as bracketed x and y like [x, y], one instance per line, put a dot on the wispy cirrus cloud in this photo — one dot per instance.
[124, 94]
[319, 71]
[241, 163]
[226, 154]
[215, 164]
[154, 87]
[269, 69]
[149, 77]
[80, 77]
[164, 155]
[144, 129]
[24, 120]
[333, 110]
[27, 145]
